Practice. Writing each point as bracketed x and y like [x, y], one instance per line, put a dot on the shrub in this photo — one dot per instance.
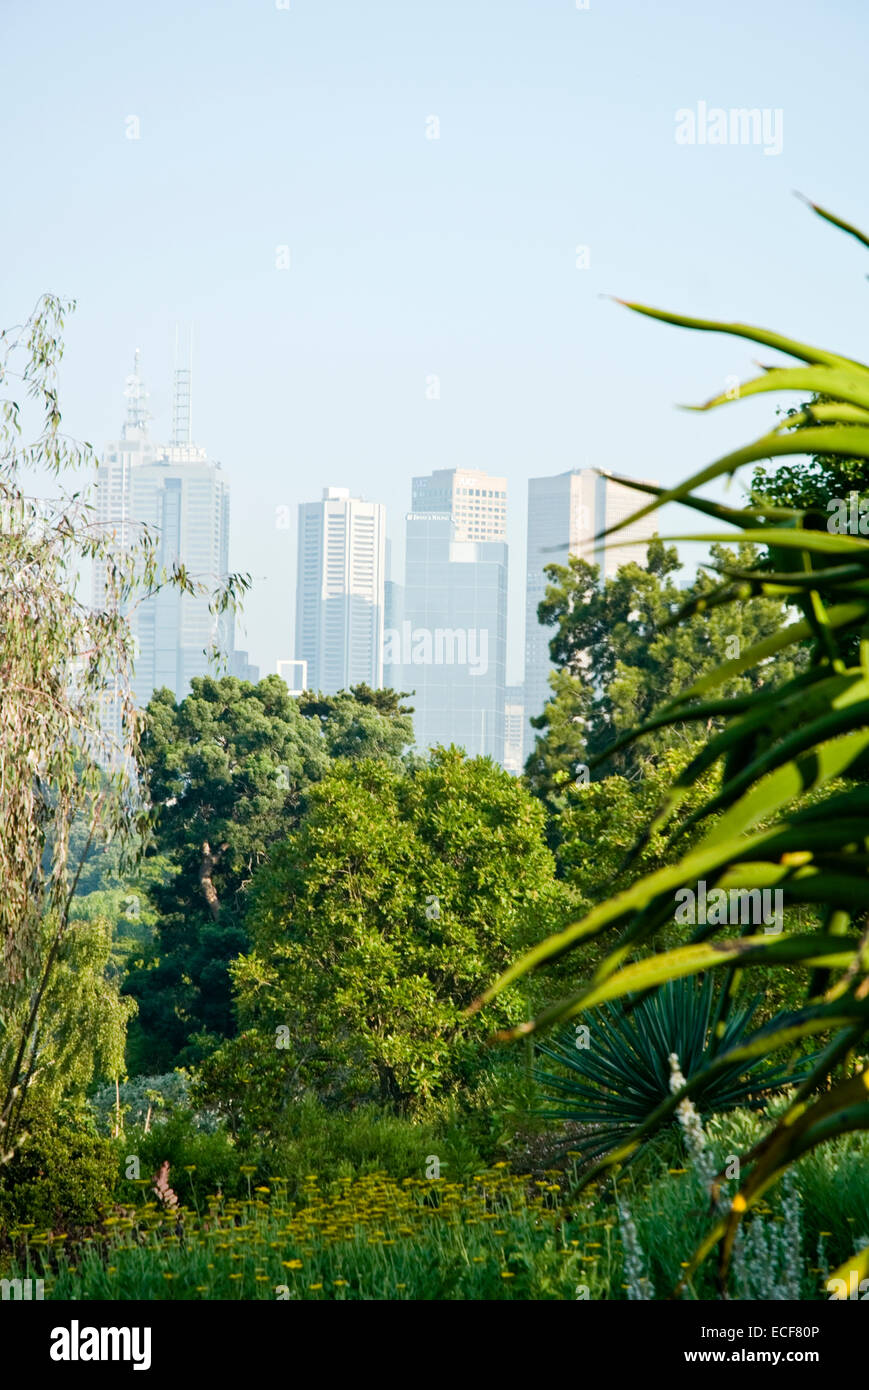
[199, 1163]
[339, 1144]
[59, 1178]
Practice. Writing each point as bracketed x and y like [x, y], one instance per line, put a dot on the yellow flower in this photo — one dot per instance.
[505, 1274]
[291, 1264]
[340, 1283]
[168, 1276]
[315, 1286]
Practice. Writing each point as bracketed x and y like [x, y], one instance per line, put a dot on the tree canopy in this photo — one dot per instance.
[227, 771]
[376, 924]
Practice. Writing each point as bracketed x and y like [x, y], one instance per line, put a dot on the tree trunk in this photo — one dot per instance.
[210, 861]
[390, 1092]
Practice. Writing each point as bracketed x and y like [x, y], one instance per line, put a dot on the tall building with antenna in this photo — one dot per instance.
[182, 497]
[112, 495]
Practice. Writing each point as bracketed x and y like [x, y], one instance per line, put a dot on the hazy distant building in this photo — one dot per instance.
[340, 591]
[111, 499]
[183, 499]
[393, 613]
[514, 728]
[451, 642]
[242, 669]
[450, 646]
[565, 512]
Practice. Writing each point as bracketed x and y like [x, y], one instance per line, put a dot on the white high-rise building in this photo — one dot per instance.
[565, 513]
[183, 499]
[111, 498]
[340, 591]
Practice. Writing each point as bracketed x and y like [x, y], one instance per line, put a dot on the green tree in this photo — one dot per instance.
[620, 656]
[227, 769]
[361, 722]
[375, 924]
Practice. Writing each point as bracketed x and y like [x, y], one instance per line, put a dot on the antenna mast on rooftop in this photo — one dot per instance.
[182, 393]
[136, 397]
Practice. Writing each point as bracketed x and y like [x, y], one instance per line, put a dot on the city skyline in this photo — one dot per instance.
[441, 632]
[476, 501]
[272, 177]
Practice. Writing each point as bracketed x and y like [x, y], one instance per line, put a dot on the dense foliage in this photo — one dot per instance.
[227, 769]
[377, 922]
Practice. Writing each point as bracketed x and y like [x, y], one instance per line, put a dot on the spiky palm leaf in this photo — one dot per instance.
[802, 737]
[621, 1078]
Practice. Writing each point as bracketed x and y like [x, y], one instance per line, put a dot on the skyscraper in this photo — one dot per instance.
[183, 499]
[242, 669]
[450, 646]
[475, 502]
[340, 591]
[565, 512]
[112, 493]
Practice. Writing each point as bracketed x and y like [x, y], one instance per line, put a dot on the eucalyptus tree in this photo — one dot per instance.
[61, 663]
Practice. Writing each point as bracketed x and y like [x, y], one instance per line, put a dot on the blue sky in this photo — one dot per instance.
[409, 257]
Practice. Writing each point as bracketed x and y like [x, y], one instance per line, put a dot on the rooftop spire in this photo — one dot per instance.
[136, 423]
[182, 394]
